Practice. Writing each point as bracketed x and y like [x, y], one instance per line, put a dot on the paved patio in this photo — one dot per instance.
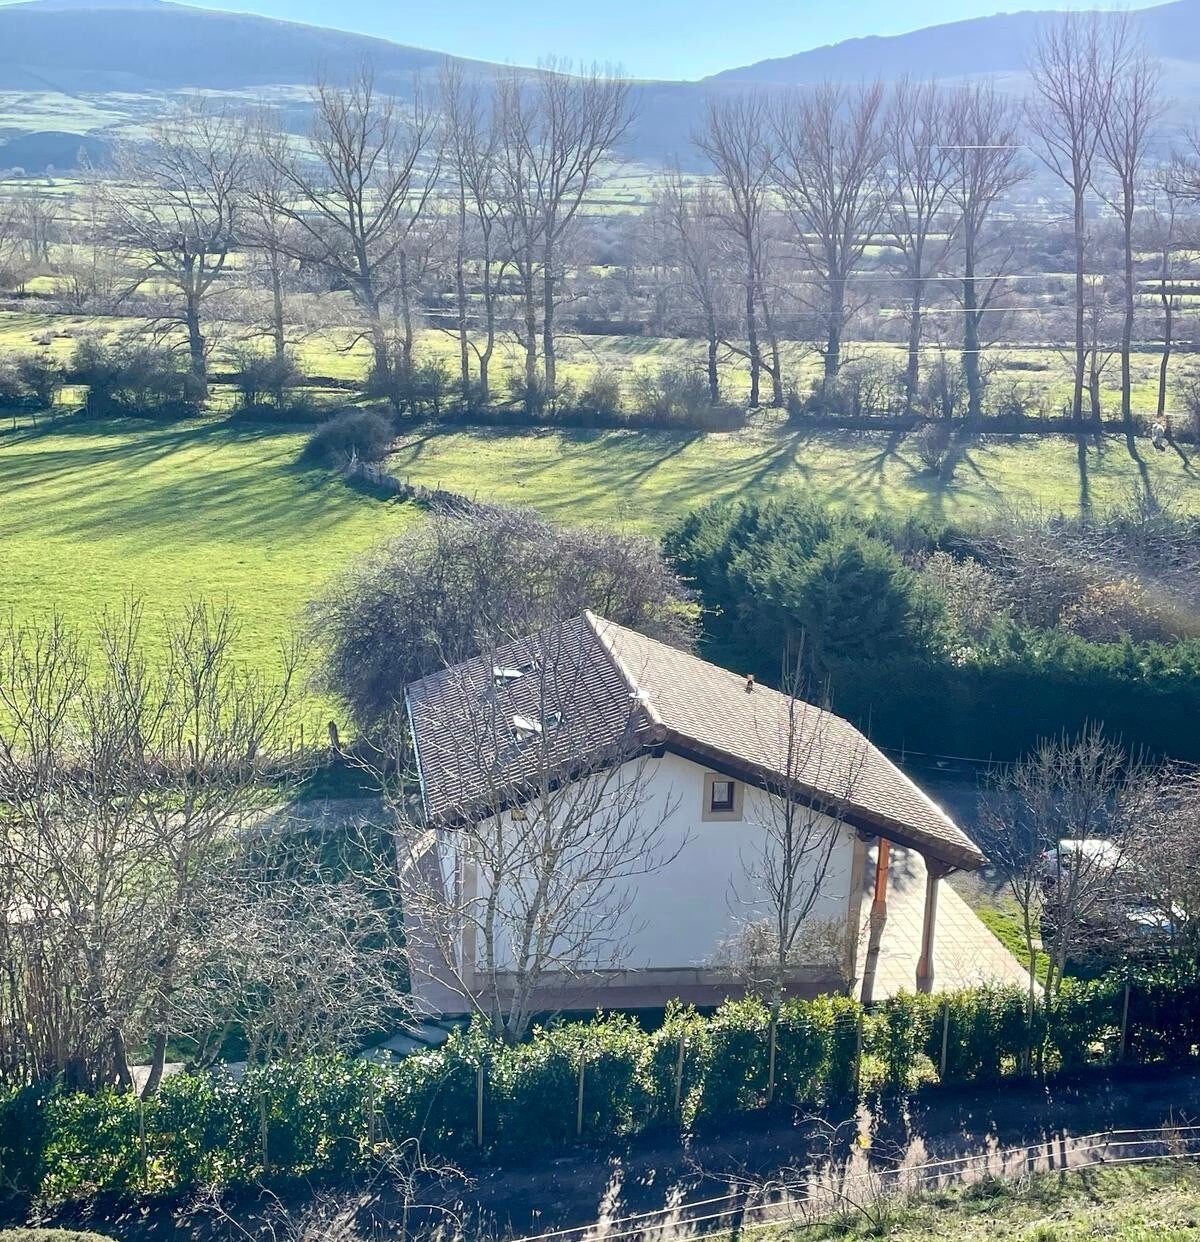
[965, 953]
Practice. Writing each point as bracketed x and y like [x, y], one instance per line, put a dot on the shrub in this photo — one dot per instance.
[1189, 398]
[943, 389]
[263, 379]
[427, 598]
[135, 378]
[353, 433]
[933, 444]
[852, 599]
[673, 397]
[420, 387]
[973, 595]
[869, 388]
[41, 375]
[602, 395]
[12, 392]
[1108, 611]
[331, 1115]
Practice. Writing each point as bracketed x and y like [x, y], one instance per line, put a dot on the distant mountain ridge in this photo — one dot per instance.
[99, 45]
[968, 48]
[119, 58]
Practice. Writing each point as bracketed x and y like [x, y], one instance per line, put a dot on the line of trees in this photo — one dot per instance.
[826, 212]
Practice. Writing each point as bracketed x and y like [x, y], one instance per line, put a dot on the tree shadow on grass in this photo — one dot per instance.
[175, 481]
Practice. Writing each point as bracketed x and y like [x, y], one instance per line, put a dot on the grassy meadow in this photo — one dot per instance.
[1159, 1201]
[646, 479]
[92, 514]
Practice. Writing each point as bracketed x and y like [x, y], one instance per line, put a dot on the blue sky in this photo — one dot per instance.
[649, 38]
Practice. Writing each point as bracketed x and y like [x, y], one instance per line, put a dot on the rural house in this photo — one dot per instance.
[675, 777]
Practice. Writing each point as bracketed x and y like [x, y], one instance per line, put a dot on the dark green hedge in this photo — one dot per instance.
[336, 1116]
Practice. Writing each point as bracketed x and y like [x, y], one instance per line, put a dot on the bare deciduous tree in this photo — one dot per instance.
[173, 204]
[472, 147]
[829, 166]
[353, 204]
[297, 943]
[921, 167]
[1060, 828]
[736, 140]
[986, 165]
[788, 870]
[556, 130]
[690, 217]
[1077, 63]
[120, 781]
[1134, 110]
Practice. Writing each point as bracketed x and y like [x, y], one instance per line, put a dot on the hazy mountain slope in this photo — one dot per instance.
[78, 66]
[982, 45]
[128, 45]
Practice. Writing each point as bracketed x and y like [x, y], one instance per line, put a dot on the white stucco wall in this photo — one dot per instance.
[680, 912]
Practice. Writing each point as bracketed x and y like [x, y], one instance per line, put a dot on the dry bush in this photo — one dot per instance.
[1108, 611]
[974, 596]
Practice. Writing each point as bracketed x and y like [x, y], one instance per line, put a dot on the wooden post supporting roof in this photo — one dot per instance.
[934, 871]
[883, 855]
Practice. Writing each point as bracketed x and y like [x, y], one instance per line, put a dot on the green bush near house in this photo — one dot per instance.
[572, 1083]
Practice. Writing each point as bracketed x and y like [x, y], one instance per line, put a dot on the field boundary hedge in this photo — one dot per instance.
[571, 1084]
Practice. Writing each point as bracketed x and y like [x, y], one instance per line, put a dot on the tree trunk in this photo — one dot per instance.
[489, 311]
[530, 328]
[833, 332]
[406, 343]
[1080, 335]
[1168, 328]
[912, 371]
[196, 350]
[971, 368]
[776, 367]
[752, 340]
[464, 356]
[1127, 322]
[714, 383]
[278, 320]
[548, 296]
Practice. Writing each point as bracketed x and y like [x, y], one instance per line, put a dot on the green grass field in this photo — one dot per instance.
[1147, 1203]
[647, 479]
[91, 515]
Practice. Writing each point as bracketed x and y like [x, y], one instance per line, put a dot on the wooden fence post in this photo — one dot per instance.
[262, 1130]
[858, 1051]
[1124, 1023]
[579, 1100]
[141, 1107]
[679, 1075]
[773, 1044]
[479, 1104]
[945, 1040]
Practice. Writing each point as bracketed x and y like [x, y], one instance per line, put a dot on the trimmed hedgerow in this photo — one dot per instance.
[337, 1116]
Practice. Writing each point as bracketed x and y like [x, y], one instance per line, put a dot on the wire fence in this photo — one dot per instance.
[829, 1187]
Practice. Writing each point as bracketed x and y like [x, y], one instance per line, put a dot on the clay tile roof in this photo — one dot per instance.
[614, 691]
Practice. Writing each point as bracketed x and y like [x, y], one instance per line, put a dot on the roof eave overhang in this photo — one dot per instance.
[857, 817]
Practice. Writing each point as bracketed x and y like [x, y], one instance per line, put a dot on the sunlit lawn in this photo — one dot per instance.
[91, 515]
[648, 479]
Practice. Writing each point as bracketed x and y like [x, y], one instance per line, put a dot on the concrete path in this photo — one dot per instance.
[966, 953]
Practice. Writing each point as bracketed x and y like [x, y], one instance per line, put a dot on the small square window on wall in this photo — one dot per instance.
[722, 797]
